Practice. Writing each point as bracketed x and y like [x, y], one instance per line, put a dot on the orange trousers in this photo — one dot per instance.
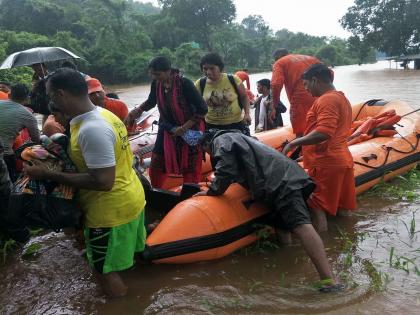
[335, 189]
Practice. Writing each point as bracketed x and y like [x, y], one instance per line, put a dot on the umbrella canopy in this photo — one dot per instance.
[37, 55]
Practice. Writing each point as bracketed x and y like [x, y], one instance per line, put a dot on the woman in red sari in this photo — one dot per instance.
[182, 110]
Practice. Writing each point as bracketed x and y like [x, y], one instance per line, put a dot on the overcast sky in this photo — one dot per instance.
[318, 18]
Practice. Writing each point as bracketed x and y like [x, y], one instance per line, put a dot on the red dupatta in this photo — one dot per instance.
[176, 154]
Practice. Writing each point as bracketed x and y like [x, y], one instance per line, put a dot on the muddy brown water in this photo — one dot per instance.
[368, 249]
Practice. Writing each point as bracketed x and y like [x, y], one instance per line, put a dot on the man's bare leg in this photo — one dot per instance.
[284, 237]
[344, 213]
[319, 220]
[315, 249]
[112, 284]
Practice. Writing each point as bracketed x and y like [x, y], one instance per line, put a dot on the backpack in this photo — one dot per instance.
[231, 80]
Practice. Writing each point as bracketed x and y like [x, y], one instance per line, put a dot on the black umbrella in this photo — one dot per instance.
[37, 55]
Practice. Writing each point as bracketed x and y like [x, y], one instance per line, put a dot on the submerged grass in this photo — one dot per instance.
[403, 187]
[8, 245]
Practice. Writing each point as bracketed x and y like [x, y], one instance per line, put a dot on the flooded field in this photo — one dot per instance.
[375, 252]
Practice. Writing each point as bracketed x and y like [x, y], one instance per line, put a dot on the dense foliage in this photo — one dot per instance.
[391, 26]
[117, 38]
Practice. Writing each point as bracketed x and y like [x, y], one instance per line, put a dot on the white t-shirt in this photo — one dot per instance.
[263, 113]
[96, 139]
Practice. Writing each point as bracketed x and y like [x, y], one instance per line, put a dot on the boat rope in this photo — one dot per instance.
[369, 103]
[389, 149]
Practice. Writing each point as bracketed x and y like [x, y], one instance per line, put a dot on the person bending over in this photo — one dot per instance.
[273, 179]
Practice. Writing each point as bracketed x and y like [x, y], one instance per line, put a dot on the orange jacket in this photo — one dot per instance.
[244, 77]
[288, 71]
[117, 107]
[331, 115]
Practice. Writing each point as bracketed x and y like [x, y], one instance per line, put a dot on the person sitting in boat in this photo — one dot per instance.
[263, 120]
[98, 97]
[225, 96]
[271, 178]
[110, 193]
[324, 147]
[181, 109]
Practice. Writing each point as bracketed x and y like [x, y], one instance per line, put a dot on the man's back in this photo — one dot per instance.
[13, 118]
[288, 71]
[257, 166]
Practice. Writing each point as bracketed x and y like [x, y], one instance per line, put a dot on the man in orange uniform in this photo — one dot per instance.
[287, 71]
[325, 151]
[244, 76]
[98, 97]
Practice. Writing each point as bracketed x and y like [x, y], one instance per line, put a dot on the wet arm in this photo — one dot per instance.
[145, 106]
[226, 171]
[101, 179]
[32, 126]
[244, 98]
[277, 82]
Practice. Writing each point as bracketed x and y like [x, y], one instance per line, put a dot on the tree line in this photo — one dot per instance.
[117, 38]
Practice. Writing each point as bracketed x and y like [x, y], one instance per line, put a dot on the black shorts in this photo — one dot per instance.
[289, 214]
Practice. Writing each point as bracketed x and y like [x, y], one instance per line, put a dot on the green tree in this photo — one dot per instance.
[391, 26]
[328, 54]
[362, 51]
[200, 17]
[187, 58]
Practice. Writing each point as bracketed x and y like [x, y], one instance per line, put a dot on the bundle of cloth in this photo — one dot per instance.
[41, 203]
[381, 125]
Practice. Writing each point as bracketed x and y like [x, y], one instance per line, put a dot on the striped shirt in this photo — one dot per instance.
[13, 118]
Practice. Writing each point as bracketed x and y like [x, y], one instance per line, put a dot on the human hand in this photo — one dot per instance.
[130, 120]
[247, 119]
[287, 148]
[35, 169]
[273, 114]
[179, 131]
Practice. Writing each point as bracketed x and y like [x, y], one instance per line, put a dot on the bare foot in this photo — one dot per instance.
[113, 285]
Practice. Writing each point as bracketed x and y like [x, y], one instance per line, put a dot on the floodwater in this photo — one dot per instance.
[375, 251]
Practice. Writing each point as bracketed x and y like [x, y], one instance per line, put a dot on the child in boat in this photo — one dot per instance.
[273, 179]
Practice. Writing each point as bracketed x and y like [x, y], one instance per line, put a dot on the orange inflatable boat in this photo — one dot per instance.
[206, 228]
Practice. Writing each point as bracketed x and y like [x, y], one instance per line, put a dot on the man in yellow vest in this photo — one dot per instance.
[110, 194]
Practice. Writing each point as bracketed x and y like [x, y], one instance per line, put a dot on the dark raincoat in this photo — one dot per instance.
[266, 173]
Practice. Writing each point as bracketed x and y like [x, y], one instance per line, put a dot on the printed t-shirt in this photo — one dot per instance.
[117, 107]
[99, 140]
[222, 101]
[330, 114]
